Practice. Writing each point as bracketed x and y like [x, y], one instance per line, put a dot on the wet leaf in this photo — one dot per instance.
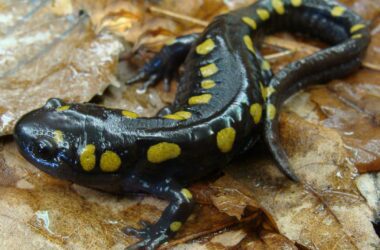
[46, 56]
[328, 131]
[326, 211]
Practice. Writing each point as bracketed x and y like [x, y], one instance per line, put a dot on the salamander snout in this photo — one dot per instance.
[40, 143]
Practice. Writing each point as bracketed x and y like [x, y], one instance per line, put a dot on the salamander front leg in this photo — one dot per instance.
[173, 217]
[166, 63]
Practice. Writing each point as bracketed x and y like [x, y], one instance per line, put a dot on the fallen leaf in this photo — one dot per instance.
[51, 56]
[327, 211]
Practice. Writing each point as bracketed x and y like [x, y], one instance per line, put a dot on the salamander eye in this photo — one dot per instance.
[46, 148]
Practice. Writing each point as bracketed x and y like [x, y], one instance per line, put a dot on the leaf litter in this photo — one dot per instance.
[330, 132]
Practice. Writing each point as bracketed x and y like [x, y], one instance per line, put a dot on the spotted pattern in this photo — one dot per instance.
[175, 226]
[129, 114]
[337, 11]
[263, 14]
[250, 22]
[205, 47]
[357, 36]
[296, 3]
[184, 114]
[357, 27]
[109, 161]
[187, 194]
[266, 92]
[256, 111]
[265, 65]
[200, 99]
[278, 6]
[58, 136]
[162, 152]
[225, 139]
[63, 108]
[249, 43]
[209, 70]
[208, 84]
[87, 157]
[180, 115]
[271, 111]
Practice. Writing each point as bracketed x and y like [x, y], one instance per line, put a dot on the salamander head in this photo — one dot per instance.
[41, 140]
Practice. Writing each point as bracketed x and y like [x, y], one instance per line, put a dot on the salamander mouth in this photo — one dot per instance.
[31, 151]
[56, 167]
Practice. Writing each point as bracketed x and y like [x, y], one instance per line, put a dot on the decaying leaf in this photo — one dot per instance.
[46, 56]
[232, 198]
[369, 186]
[327, 131]
[326, 211]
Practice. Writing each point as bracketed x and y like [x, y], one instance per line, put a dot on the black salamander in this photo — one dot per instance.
[226, 99]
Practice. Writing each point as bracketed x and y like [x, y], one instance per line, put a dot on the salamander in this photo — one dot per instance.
[226, 99]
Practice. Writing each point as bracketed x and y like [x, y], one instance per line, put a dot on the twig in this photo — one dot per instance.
[178, 16]
[278, 55]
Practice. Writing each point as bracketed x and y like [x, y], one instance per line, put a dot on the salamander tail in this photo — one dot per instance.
[335, 62]
[271, 137]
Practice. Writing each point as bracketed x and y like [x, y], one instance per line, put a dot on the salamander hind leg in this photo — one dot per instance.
[166, 63]
[173, 217]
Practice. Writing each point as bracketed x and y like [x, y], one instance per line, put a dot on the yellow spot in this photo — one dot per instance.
[357, 36]
[250, 22]
[269, 91]
[296, 3]
[63, 108]
[209, 70]
[187, 194]
[87, 157]
[130, 114]
[337, 11]
[265, 65]
[256, 112]
[278, 6]
[357, 27]
[266, 92]
[58, 136]
[175, 226]
[163, 151]
[271, 111]
[180, 115]
[173, 117]
[171, 41]
[184, 114]
[263, 14]
[225, 139]
[205, 47]
[208, 84]
[200, 99]
[249, 43]
[109, 161]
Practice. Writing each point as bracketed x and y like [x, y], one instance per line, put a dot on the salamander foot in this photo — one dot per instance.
[152, 236]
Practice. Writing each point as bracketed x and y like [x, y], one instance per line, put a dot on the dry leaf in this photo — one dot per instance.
[328, 212]
[51, 56]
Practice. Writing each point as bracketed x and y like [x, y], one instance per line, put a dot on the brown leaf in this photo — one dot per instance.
[327, 212]
[51, 56]
[232, 198]
[369, 186]
[270, 241]
[352, 108]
